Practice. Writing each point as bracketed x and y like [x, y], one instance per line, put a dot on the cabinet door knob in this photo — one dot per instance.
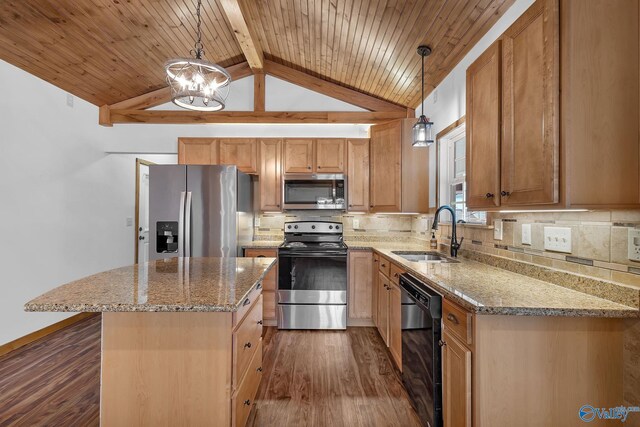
[395, 274]
[504, 193]
[489, 195]
[247, 402]
[319, 167]
[308, 167]
[370, 206]
[247, 345]
[383, 264]
[453, 319]
[442, 343]
[259, 322]
[259, 369]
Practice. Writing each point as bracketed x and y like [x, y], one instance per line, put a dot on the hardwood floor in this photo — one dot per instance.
[54, 381]
[330, 378]
[311, 378]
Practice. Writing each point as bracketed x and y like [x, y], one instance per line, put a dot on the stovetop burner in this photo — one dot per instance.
[313, 236]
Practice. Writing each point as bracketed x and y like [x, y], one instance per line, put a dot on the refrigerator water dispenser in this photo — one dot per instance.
[167, 237]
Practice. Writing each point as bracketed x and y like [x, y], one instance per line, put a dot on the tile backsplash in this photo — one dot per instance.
[598, 242]
[372, 226]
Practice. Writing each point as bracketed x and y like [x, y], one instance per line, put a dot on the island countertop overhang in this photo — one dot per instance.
[172, 285]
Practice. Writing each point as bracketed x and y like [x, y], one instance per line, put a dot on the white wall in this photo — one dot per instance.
[447, 103]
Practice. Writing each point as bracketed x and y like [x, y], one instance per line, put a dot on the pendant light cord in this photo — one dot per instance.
[199, 48]
[422, 104]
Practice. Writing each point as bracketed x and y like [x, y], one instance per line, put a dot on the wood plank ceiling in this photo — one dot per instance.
[106, 51]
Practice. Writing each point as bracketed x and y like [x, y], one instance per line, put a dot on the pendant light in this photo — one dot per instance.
[197, 84]
[422, 130]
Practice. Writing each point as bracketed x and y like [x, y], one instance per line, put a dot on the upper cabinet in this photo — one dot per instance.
[270, 174]
[240, 152]
[330, 154]
[399, 177]
[483, 129]
[314, 155]
[298, 155]
[358, 175]
[197, 151]
[553, 110]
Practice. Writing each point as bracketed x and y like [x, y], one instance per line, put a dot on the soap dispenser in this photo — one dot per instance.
[433, 243]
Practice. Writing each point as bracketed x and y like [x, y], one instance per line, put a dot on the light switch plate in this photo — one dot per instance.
[256, 221]
[356, 224]
[634, 244]
[129, 221]
[497, 229]
[557, 239]
[526, 234]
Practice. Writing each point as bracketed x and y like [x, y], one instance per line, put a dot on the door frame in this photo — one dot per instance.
[139, 162]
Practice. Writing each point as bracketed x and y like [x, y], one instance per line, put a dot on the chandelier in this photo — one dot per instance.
[422, 130]
[197, 84]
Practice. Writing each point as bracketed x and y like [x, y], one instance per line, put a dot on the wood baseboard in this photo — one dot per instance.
[270, 322]
[33, 336]
[360, 322]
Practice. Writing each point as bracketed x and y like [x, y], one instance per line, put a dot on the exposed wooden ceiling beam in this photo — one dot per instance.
[245, 35]
[258, 92]
[330, 89]
[196, 117]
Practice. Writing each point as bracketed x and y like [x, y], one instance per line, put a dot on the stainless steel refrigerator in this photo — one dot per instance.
[199, 211]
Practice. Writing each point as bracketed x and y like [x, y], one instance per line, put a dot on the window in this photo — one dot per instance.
[453, 187]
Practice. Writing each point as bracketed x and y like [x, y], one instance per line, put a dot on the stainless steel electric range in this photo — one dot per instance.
[312, 279]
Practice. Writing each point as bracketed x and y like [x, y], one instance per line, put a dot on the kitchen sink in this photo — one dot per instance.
[422, 256]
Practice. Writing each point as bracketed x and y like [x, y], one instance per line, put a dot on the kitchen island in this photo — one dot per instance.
[181, 338]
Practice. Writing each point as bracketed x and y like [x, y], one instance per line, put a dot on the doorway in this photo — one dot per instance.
[142, 212]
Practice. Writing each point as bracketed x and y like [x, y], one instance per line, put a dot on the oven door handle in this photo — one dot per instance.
[322, 254]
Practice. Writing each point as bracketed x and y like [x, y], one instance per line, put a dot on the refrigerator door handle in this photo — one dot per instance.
[187, 226]
[181, 225]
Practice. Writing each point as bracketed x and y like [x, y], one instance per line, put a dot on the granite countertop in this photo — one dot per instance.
[485, 289]
[263, 244]
[176, 284]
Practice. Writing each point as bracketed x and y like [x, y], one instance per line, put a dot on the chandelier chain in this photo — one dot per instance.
[422, 94]
[199, 47]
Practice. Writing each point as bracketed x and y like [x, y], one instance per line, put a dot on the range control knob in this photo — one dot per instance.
[313, 227]
[331, 227]
[295, 226]
[289, 227]
[337, 227]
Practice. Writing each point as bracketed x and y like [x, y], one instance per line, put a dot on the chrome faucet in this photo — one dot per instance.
[455, 245]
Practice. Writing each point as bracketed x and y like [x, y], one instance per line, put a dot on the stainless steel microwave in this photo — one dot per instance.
[314, 191]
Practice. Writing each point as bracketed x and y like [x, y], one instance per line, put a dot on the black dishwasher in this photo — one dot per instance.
[421, 355]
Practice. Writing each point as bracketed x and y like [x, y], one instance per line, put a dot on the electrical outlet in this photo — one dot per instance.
[526, 234]
[356, 224]
[129, 221]
[557, 239]
[497, 229]
[634, 244]
[256, 221]
[69, 100]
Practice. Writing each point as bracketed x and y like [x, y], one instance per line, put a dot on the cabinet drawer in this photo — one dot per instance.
[245, 341]
[395, 273]
[457, 321]
[269, 281]
[384, 266]
[246, 305]
[268, 305]
[244, 397]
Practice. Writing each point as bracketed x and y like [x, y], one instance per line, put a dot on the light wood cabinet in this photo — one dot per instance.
[375, 279]
[299, 155]
[398, 172]
[383, 307]
[269, 284]
[197, 151]
[270, 174]
[530, 108]
[395, 324]
[360, 285]
[358, 175]
[330, 155]
[531, 144]
[483, 129]
[240, 152]
[456, 382]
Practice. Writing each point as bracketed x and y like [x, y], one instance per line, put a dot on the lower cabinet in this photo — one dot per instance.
[456, 382]
[388, 300]
[361, 288]
[269, 284]
[456, 365]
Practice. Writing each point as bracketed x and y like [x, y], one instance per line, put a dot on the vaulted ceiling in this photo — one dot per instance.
[106, 51]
